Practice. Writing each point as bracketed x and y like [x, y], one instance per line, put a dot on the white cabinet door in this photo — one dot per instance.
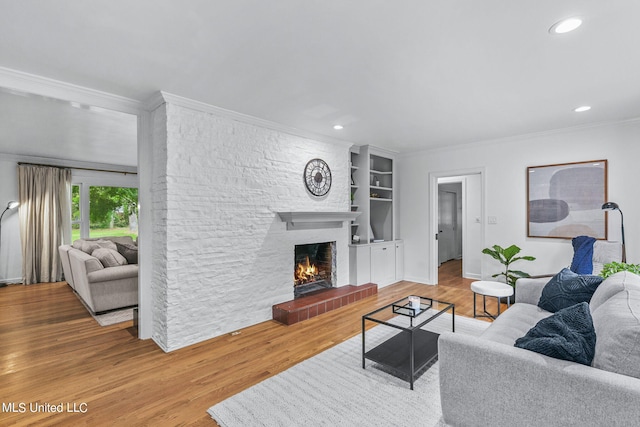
[383, 264]
[399, 261]
[359, 264]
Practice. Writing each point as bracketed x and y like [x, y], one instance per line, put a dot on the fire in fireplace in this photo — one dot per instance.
[314, 268]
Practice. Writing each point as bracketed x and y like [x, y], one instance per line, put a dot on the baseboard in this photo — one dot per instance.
[420, 280]
[14, 281]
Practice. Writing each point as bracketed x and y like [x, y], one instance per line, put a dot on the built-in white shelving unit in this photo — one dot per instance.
[377, 257]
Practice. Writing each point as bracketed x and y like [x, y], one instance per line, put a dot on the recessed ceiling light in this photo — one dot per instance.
[565, 25]
[582, 108]
[338, 127]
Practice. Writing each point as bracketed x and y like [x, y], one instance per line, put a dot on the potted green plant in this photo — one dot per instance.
[507, 256]
[614, 267]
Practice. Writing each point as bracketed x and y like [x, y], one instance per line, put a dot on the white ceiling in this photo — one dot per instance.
[37, 126]
[406, 75]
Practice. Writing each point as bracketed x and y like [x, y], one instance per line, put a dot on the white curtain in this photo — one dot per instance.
[45, 220]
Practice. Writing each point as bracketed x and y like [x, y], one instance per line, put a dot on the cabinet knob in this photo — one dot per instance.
[384, 249]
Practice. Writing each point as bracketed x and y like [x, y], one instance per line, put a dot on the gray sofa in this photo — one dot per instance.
[487, 381]
[102, 288]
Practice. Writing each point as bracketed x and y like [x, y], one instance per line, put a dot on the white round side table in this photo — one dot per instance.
[488, 288]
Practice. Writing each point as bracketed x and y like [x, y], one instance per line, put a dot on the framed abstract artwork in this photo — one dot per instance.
[565, 200]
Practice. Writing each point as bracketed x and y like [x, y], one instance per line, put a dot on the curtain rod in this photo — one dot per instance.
[78, 168]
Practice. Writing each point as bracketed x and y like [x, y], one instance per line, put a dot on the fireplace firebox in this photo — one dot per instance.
[314, 268]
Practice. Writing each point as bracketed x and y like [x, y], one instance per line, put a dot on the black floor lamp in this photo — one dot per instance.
[11, 205]
[611, 206]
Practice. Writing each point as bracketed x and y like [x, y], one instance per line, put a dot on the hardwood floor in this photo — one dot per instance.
[54, 352]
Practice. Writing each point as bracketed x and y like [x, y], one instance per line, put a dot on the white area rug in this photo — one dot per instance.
[332, 389]
[114, 317]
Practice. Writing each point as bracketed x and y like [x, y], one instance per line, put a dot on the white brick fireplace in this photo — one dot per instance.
[222, 256]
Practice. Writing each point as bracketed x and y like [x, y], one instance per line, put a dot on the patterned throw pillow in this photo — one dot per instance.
[568, 335]
[566, 289]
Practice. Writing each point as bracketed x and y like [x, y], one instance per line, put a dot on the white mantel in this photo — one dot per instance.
[310, 220]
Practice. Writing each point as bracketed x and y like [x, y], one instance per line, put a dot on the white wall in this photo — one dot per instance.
[505, 162]
[222, 256]
[10, 246]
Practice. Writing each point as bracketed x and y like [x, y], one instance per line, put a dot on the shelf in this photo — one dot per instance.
[380, 199]
[381, 188]
[354, 167]
[394, 353]
[355, 186]
[354, 224]
[310, 220]
[381, 172]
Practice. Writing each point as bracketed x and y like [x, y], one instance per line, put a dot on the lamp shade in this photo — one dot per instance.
[610, 206]
[12, 204]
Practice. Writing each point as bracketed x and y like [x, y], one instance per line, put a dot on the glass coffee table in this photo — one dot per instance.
[412, 348]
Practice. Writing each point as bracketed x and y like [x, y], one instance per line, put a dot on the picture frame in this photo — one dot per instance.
[565, 200]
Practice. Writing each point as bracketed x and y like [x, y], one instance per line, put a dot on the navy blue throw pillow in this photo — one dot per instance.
[568, 335]
[566, 289]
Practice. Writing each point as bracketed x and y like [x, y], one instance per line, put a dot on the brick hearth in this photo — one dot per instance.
[319, 302]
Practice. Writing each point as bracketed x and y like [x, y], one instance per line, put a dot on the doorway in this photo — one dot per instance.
[449, 222]
[457, 209]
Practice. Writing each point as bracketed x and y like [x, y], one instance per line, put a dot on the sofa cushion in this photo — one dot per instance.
[566, 289]
[605, 252]
[617, 325]
[612, 285]
[109, 257]
[121, 239]
[129, 251]
[88, 246]
[514, 323]
[568, 335]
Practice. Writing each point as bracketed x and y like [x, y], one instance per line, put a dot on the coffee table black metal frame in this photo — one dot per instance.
[413, 348]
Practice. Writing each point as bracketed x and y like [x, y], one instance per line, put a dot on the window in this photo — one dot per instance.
[76, 216]
[99, 211]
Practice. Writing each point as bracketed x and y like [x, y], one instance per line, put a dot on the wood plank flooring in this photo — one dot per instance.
[53, 352]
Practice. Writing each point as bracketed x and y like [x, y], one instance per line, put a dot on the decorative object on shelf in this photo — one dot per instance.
[506, 257]
[355, 238]
[563, 200]
[376, 181]
[317, 177]
[375, 195]
[612, 206]
[11, 205]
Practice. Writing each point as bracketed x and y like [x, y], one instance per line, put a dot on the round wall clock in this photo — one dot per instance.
[317, 177]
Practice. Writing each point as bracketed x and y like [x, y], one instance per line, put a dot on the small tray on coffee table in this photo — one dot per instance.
[406, 309]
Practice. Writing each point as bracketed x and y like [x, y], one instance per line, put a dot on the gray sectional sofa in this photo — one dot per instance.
[106, 281]
[487, 381]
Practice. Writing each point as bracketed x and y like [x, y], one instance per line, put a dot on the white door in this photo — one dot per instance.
[447, 209]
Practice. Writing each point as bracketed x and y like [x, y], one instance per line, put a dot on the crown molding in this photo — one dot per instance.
[162, 97]
[38, 85]
[520, 137]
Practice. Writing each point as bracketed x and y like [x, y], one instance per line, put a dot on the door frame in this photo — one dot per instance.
[433, 214]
